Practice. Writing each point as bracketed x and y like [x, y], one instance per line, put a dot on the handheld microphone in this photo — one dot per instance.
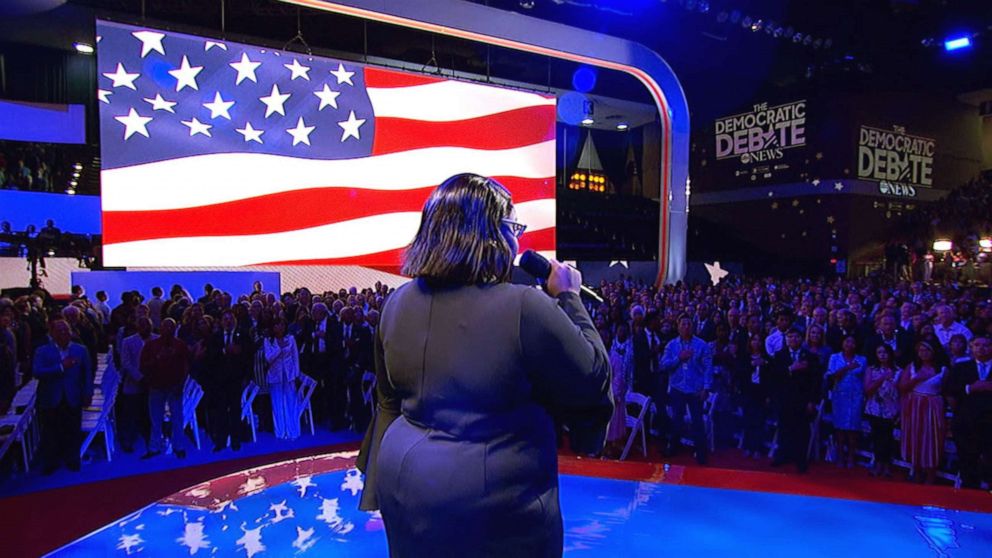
[539, 266]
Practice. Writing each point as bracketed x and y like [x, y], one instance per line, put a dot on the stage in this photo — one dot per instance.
[309, 507]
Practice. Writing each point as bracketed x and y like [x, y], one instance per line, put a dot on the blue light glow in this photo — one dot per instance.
[957, 43]
[584, 79]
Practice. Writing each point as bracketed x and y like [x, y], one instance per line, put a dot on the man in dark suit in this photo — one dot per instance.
[848, 326]
[643, 378]
[970, 390]
[65, 387]
[322, 357]
[229, 354]
[356, 342]
[899, 341]
[797, 378]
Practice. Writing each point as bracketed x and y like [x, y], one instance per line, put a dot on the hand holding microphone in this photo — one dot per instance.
[560, 278]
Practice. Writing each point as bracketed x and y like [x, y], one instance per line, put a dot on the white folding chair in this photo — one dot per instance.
[368, 389]
[304, 391]
[20, 426]
[709, 412]
[98, 418]
[192, 394]
[636, 422]
[247, 412]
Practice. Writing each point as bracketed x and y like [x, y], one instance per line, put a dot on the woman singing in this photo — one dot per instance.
[461, 457]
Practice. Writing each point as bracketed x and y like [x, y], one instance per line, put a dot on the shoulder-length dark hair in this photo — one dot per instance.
[459, 239]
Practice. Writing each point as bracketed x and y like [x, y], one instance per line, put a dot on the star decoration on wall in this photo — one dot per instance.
[774, 205]
[839, 186]
[716, 272]
[619, 262]
[830, 219]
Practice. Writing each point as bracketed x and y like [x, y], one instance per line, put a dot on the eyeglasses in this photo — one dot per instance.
[516, 229]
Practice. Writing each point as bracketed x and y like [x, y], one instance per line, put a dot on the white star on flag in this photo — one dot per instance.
[716, 272]
[211, 44]
[350, 127]
[186, 75]
[327, 97]
[301, 133]
[197, 127]
[121, 78]
[150, 41]
[298, 70]
[246, 68]
[344, 76]
[838, 186]
[250, 134]
[219, 107]
[274, 101]
[158, 103]
[134, 123]
[103, 95]
[619, 262]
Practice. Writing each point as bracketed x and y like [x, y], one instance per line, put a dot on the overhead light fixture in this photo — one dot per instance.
[942, 245]
[957, 43]
[83, 48]
[986, 244]
[622, 126]
[78, 166]
[588, 121]
[70, 191]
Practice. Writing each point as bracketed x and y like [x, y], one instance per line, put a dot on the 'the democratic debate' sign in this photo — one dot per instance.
[895, 157]
[763, 134]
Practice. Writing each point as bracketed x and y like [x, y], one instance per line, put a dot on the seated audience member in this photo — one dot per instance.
[65, 387]
[165, 365]
[970, 390]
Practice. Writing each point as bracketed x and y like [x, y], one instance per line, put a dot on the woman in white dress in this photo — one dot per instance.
[284, 368]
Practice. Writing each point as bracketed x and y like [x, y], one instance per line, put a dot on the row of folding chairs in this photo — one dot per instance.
[98, 418]
[20, 424]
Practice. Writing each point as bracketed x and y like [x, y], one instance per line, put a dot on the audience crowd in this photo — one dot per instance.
[897, 366]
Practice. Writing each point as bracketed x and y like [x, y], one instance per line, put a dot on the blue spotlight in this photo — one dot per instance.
[957, 43]
[584, 79]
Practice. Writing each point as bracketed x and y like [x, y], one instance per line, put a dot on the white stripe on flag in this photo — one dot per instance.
[367, 235]
[224, 177]
[450, 100]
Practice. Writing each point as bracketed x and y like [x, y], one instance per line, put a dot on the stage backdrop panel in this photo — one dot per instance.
[71, 213]
[217, 153]
[116, 282]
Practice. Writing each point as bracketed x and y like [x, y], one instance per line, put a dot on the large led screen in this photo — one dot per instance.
[223, 154]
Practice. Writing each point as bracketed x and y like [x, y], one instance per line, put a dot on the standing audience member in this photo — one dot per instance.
[229, 356]
[754, 384]
[923, 427]
[284, 369]
[797, 386]
[165, 365]
[847, 371]
[65, 387]
[689, 362]
[882, 406]
[970, 391]
[134, 395]
[622, 364]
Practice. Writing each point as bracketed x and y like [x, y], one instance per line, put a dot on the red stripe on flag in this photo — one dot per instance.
[506, 130]
[286, 211]
[379, 78]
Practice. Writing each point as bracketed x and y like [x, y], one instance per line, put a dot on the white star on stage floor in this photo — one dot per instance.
[211, 44]
[158, 103]
[301, 133]
[197, 127]
[134, 123]
[103, 95]
[344, 76]
[327, 97]
[250, 134]
[274, 101]
[716, 272]
[150, 41]
[121, 78]
[219, 107]
[619, 262]
[246, 68]
[186, 75]
[351, 127]
[298, 70]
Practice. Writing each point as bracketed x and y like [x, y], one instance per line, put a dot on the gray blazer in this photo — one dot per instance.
[462, 455]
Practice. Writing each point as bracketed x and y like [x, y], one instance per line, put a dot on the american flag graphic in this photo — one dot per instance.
[223, 154]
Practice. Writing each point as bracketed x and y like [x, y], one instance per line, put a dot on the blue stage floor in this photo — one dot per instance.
[318, 516]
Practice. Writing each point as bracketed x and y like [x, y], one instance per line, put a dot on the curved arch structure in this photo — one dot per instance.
[511, 30]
